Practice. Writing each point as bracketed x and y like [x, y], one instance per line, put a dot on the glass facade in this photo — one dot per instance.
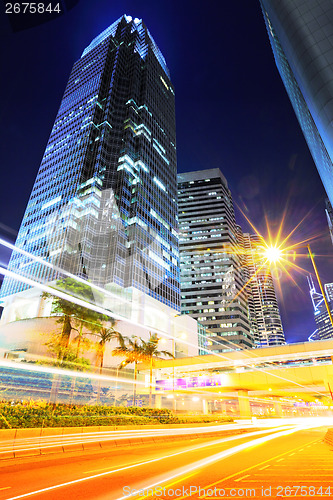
[212, 276]
[264, 310]
[104, 203]
[301, 36]
[329, 216]
[324, 326]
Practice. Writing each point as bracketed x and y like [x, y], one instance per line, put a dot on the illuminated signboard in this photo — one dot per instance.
[189, 383]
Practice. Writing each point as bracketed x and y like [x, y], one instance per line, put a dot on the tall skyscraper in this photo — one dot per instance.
[211, 270]
[322, 319]
[301, 34]
[329, 216]
[263, 306]
[329, 291]
[104, 203]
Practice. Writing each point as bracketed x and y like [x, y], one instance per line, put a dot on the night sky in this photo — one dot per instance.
[232, 112]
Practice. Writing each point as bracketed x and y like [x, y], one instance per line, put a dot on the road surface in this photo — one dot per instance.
[280, 462]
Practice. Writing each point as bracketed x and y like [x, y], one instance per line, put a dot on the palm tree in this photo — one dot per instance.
[150, 351]
[106, 334]
[72, 314]
[141, 350]
[133, 353]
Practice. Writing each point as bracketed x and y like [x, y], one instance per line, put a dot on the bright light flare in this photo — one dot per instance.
[273, 254]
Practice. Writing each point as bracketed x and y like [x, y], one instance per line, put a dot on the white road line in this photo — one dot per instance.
[241, 478]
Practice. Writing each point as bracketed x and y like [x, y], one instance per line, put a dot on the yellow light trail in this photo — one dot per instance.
[158, 459]
[219, 456]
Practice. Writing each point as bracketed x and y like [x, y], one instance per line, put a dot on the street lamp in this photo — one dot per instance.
[272, 254]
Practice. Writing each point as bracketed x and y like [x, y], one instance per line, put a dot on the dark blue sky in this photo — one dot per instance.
[232, 113]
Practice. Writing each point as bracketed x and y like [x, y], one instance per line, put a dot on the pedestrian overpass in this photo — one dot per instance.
[297, 376]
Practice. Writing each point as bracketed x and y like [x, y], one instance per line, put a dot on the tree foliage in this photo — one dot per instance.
[105, 334]
[136, 350]
[150, 352]
[66, 356]
[79, 318]
[71, 314]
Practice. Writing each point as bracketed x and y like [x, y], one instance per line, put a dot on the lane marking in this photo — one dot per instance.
[280, 459]
[5, 488]
[320, 481]
[252, 467]
[265, 467]
[291, 454]
[241, 478]
[171, 484]
[298, 476]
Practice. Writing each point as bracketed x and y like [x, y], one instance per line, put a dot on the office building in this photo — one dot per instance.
[264, 312]
[212, 276]
[324, 326]
[329, 216]
[329, 291]
[301, 36]
[104, 203]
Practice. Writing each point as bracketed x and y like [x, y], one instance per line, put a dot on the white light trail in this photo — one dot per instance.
[61, 271]
[119, 317]
[68, 373]
[214, 458]
[63, 440]
[195, 466]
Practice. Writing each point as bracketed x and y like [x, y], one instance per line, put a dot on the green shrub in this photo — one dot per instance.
[61, 415]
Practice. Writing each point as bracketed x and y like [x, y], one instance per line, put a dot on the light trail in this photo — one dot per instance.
[19, 277]
[64, 372]
[63, 440]
[106, 312]
[195, 466]
[61, 271]
[215, 458]
[88, 305]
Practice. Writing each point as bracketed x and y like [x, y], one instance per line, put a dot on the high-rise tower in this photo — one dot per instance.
[301, 34]
[212, 277]
[104, 203]
[324, 326]
[329, 216]
[264, 310]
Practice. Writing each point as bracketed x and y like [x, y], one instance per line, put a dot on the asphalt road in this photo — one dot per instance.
[276, 463]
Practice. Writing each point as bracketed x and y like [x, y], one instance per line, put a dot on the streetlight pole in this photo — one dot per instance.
[320, 285]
